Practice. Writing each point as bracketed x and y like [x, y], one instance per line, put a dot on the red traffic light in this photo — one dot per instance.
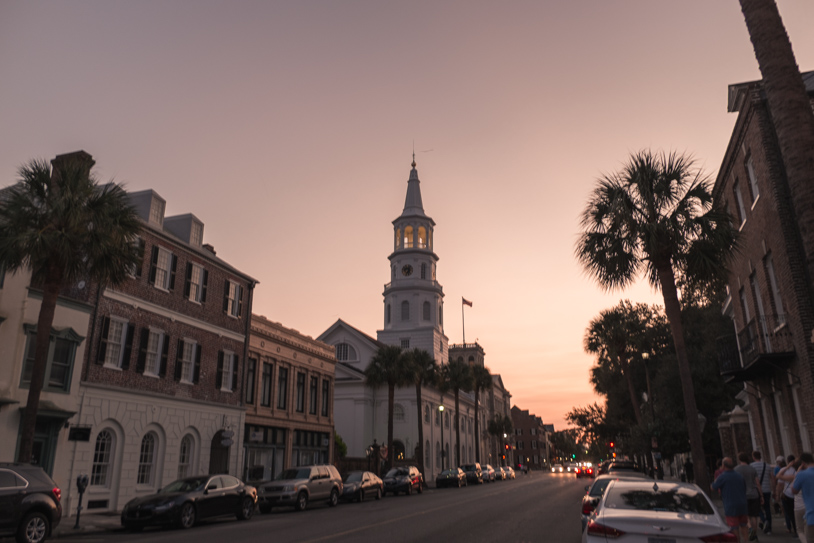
[611, 444]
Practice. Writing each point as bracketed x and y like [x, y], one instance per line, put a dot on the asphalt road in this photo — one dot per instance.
[540, 507]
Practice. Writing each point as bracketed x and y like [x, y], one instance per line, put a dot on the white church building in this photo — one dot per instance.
[413, 317]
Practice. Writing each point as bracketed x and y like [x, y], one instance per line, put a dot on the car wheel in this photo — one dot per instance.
[246, 509]
[187, 517]
[265, 508]
[334, 499]
[379, 494]
[34, 528]
[420, 487]
[409, 490]
[302, 501]
[360, 497]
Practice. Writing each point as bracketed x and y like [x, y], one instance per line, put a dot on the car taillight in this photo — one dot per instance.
[720, 538]
[57, 493]
[588, 508]
[594, 528]
[590, 470]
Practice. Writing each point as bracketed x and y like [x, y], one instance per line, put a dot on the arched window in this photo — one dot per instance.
[429, 239]
[471, 360]
[460, 360]
[446, 419]
[441, 315]
[405, 310]
[422, 237]
[398, 244]
[398, 413]
[427, 413]
[424, 270]
[427, 453]
[438, 453]
[345, 352]
[102, 458]
[146, 461]
[446, 446]
[408, 237]
[425, 313]
[185, 456]
[398, 450]
[387, 313]
[437, 418]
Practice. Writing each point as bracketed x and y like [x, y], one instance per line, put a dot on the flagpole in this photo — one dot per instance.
[463, 322]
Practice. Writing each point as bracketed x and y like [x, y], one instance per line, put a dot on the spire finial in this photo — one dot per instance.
[413, 154]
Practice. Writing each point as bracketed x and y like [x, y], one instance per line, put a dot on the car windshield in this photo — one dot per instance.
[652, 498]
[352, 477]
[184, 485]
[398, 472]
[468, 467]
[294, 473]
[450, 472]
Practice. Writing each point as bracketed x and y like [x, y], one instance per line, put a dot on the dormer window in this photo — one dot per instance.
[196, 234]
[157, 211]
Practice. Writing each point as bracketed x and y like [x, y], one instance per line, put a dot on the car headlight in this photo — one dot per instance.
[290, 488]
[164, 507]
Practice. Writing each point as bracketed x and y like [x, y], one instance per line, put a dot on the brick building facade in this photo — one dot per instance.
[770, 300]
[531, 445]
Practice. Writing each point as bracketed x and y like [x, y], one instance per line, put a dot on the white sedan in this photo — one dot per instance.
[650, 511]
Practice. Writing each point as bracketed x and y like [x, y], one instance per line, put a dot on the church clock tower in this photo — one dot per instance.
[413, 299]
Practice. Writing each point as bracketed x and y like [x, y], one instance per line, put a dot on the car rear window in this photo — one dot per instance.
[652, 498]
[599, 487]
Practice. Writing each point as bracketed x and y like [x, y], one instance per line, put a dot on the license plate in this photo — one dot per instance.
[660, 540]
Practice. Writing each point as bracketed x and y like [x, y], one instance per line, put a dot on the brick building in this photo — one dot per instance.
[289, 400]
[770, 300]
[162, 380]
[531, 446]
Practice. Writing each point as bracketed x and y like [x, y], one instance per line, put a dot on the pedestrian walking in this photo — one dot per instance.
[719, 469]
[804, 484]
[753, 494]
[765, 475]
[779, 463]
[688, 471]
[785, 496]
[732, 487]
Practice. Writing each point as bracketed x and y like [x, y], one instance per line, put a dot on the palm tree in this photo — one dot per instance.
[498, 427]
[388, 367]
[60, 224]
[656, 215]
[481, 380]
[456, 376]
[424, 370]
[789, 106]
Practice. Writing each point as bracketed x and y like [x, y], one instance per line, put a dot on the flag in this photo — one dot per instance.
[465, 301]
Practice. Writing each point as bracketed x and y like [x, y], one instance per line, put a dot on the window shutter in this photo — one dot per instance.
[153, 264]
[197, 375]
[239, 300]
[141, 244]
[162, 369]
[219, 373]
[203, 288]
[188, 280]
[100, 356]
[128, 346]
[226, 296]
[235, 360]
[142, 350]
[172, 271]
[178, 354]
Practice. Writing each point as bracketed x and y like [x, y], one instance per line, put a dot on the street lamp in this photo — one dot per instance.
[441, 409]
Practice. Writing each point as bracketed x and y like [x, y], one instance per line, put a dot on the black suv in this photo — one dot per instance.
[29, 502]
[473, 472]
[403, 479]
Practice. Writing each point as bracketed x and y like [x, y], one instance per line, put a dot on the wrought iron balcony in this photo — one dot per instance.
[759, 347]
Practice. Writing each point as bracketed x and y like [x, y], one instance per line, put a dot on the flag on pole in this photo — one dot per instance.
[465, 301]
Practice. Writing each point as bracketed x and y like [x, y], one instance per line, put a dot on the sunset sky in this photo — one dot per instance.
[288, 128]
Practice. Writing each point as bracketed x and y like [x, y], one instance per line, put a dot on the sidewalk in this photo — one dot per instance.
[89, 523]
[779, 533]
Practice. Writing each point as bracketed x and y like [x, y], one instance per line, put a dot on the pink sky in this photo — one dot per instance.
[287, 127]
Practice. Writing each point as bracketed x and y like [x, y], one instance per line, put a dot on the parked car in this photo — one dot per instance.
[299, 486]
[624, 466]
[358, 485]
[585, 471]
[647, 510]
[451, 477]
[186, 501]
[557, 468]
[474, 473]
[488, 473]
[30, 505]
[594, 492]
[404, 479]
[500, 474]
[509, 472]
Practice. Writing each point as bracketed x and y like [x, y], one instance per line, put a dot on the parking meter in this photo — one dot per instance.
[81, 485]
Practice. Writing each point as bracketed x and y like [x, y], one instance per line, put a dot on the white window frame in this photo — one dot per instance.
[750, 173]
[188, 361]
[226, 371]
[196, 234]
[145, 474]
[103, 460]
[398, 413]
[186, 450]
[162, 275]
[233, 307]
[778, 300]
[115, 343]
[152, 360]
[157, 211]
[196, 283]
[739, 201]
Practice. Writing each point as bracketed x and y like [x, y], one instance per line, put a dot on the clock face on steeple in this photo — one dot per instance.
[407, 270]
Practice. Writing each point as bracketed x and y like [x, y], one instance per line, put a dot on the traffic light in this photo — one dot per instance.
[611, 444]
[507, 446]
[573, 457]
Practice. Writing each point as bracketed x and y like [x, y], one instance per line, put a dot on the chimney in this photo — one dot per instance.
[209, 248]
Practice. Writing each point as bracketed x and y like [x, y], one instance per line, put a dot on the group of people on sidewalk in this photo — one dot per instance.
[747, 490]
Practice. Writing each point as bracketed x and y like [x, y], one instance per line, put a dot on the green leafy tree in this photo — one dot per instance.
[481, 381]
[340, 446]
[58, 222]
[456, 376]
[389, 368]
[656, 215]
[424, 370]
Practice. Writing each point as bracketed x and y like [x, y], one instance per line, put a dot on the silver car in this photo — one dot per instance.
[299, 486]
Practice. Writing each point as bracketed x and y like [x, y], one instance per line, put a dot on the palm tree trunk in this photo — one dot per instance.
[42, 344]
[790, 110]
[457, 431]
[391, 392]
[477, 426]
[672, 308]
[420, 448]
[632, 390]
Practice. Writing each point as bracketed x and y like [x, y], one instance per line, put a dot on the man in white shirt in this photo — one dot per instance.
[765, 474]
